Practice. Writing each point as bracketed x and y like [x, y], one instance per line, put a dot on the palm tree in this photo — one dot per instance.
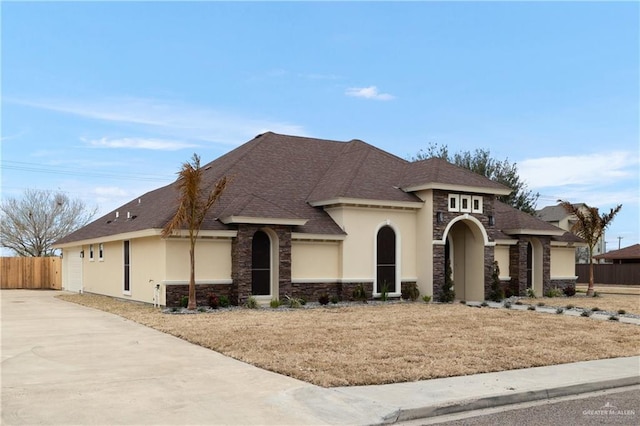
[194, 203]
[589, 226]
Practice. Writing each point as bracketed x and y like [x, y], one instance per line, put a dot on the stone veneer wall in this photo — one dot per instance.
[241, 260]
[518, 264]
[561, 284]
[344, 291]
[173, 293]
[441, 204]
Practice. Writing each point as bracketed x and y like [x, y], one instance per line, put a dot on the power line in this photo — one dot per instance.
[69, 171]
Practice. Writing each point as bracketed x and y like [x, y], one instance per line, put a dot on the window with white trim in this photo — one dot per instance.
[100, 252]
[476, 204]
[453, 202]
[465, 203]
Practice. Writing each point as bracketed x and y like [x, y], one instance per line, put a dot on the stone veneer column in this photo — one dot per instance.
[546, 263]
[241, 252]
[518, 267]
[489, 257]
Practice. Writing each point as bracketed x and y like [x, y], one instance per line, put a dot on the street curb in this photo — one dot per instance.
[405, 414]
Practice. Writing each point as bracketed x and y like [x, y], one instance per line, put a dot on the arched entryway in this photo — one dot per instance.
[386, 267]
[464, 248]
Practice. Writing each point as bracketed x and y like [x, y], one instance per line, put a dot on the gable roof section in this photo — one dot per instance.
[436, 173]
[284, 179]
[554, 213]
[512, 221]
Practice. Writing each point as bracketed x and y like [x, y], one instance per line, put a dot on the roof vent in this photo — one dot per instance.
[139, 200]
[128, 215]
[117, 215]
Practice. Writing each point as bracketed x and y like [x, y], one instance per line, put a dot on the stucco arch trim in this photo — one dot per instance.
[465, 217]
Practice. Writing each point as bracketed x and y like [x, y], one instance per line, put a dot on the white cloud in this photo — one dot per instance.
[140, 143]
[370, 92]
[173, 118]
[588, 169]
[110, 191]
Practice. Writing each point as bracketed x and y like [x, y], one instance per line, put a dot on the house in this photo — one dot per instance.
[304, 216]
[558, 216]
[629, 254]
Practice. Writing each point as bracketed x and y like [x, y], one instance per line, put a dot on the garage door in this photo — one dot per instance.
[73, 280]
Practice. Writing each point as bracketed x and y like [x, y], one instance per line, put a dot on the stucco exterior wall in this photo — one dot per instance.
[501, 254]
[104, 276]
[146, 267]
[424, 244]
[213, 260]
[315, 261]
[361, 226]
[563, 263]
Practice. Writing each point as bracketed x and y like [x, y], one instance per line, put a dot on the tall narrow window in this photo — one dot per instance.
[261, 264]
[386, 260]
[100, 251]
[127, 268]
[91, 252]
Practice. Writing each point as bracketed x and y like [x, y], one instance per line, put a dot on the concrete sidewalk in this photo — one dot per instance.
[67, 364]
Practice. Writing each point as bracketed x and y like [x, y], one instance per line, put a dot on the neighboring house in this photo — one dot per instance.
[558, 216]
[304, 216]
[629, 254]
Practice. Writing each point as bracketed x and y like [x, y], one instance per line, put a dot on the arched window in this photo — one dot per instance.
[386, 260]
[261, 264]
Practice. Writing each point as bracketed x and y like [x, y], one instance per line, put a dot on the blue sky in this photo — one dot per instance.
[106, 100]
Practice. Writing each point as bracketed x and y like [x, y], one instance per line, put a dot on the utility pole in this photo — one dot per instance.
[619, 239]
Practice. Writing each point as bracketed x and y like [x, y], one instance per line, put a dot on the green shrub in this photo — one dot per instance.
[570, 306]
[252, 303]
[518, 302]
[531, 308]
[621, 312]
[426, 298]
[614, 318]
[541, 303]
[323, 299]
[531, 294]
[384, 291]
[223, 301]
[359, 293]
[293, 302]
[569, 291]
[202, 309]
[497, 293]
[484, 303]
[507, 305]
[464, 302]
[559, 311]
[334, 299]
[585, 314]
[595, 309]
[447, 293]
[553, 292]
[596, 294]
[411, 292]
[302, 300]
[184, 301]
[275, 303]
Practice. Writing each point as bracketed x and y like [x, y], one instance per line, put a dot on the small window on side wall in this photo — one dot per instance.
[90, 252]
[465, 203]
[454, 200]
[476, 204]
[101, 251]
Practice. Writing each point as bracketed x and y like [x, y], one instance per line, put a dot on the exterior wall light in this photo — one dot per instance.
[492, 220]
[439, 217]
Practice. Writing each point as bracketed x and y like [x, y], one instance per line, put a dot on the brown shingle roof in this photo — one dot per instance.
[631, 252]
[280, 176]
[511, 221]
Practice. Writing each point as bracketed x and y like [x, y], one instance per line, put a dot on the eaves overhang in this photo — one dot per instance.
[457, 188]
[301, 236]
[525, 231]
[362, 202]
[151, 232]
[263, 220]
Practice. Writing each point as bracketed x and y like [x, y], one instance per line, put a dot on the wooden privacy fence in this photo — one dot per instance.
[31, 272]
[607, 273]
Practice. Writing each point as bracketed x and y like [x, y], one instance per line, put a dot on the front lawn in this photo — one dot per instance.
[388, 343]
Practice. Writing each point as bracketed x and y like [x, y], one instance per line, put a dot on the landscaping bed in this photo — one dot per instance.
[365, 344]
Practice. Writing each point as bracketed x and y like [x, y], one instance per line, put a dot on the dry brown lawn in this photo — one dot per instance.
[364, 344]
[605, 302]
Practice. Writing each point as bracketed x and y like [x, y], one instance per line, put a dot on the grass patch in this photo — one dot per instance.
[387, 343]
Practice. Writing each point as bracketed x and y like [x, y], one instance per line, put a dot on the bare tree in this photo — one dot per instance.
[31, 224]
[590, 226]
[194, 202]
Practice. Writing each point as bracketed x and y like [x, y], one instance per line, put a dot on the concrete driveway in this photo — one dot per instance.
[65, 364]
